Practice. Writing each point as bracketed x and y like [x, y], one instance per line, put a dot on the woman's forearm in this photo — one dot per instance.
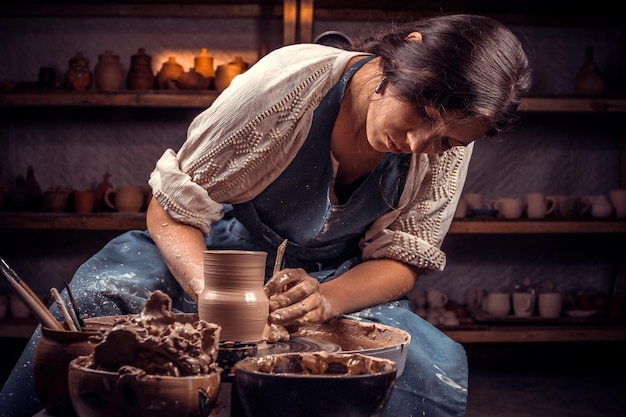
[180, 245]
[369, 283]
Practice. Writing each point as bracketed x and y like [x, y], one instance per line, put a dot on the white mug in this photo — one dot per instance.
[436, 298]
[618, 199]
[126, 198]
[550, 304]
[539, 206]
[523, 304]
[508, 207]
[498, 304]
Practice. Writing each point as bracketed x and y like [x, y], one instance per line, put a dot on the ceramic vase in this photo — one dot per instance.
[53, 353]
[203, 64]
[192, 80]
[170, 70]
[224, 74]
[233, 295]
[78, 75]
[108, 72]
[243, 65]
[589, 80]
[140, 75]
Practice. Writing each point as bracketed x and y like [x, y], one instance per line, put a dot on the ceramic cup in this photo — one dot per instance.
[55, 201]
[436, 298]
[566, 206]
[539, 206]
[475, 297]
[523, 304]
[126, 198]
[497, 304]
[550, 304]
[475, 201]
[508, 208]
[618, 199]
[84, 201]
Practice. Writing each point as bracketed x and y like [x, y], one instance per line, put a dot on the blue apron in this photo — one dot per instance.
[322, 238]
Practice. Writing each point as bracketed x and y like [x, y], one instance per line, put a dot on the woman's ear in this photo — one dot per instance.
[415, 36]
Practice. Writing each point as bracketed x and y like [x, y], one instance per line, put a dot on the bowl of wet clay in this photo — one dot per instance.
[357, 336]
[314, 384]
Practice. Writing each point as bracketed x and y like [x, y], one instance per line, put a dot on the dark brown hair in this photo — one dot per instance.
[469, 65]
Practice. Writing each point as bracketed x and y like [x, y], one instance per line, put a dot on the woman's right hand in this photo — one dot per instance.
[296, 298]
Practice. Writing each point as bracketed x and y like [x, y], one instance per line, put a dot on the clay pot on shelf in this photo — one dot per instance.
[140, 75]
[224, 75]
[243, 65]
[78, 75]
[108, 72]
[589, 80]
[170, 71]
[101, 189]
[203, 64]
[192, 80]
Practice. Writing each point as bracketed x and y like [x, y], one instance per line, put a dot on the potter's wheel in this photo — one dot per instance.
[297, 344]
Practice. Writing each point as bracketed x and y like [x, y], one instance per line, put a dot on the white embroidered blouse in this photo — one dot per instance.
[253, 130]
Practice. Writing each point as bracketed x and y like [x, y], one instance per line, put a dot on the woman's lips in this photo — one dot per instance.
[392, 147]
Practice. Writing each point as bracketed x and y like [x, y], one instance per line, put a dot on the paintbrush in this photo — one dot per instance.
[35, 305]
[80, 320]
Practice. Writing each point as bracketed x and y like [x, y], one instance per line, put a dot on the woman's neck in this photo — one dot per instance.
[349, 142]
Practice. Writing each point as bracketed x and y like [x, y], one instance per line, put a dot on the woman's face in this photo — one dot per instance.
[398, 127]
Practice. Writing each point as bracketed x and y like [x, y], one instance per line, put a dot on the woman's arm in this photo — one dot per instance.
[297, 298]
[372, 282]
[182, 247]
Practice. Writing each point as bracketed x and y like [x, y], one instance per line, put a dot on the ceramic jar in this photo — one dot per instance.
[78, 75]
[108, 72]
[192, 80]
[233, 294]
[140, 75]
[170, 71]
[203, 64]
[589, 80]
[53, 353]
[243, 65]
[224, 74]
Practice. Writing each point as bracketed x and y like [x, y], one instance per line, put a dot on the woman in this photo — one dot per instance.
[358, 158]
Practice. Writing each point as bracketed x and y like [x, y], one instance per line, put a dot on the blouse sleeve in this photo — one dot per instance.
[414, 233]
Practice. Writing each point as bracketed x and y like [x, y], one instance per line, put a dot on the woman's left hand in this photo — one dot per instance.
[296, 298]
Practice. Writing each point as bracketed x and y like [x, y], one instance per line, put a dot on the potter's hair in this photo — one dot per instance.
[469, 65]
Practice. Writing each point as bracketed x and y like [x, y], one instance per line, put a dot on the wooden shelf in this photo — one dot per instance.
[128, 221]
[571, 333]
[203, 99]
[152, 98]
[13, 327]
[72, 221]
[537, 226]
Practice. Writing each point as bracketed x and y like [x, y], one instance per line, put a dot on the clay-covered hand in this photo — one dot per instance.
[275, 333]
[296, 298]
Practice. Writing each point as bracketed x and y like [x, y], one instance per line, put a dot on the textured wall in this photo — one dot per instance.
[551, 153]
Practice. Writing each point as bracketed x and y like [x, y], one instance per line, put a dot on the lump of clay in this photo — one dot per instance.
[155, 343]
